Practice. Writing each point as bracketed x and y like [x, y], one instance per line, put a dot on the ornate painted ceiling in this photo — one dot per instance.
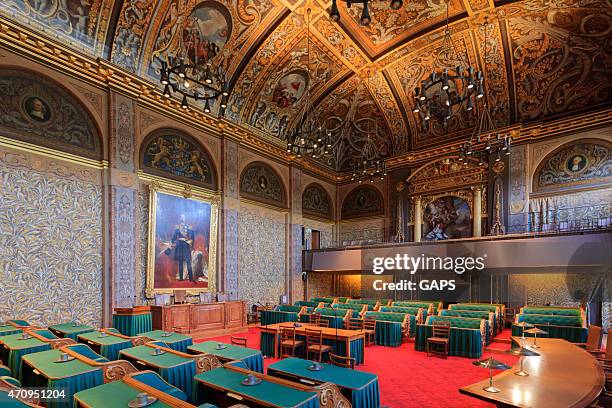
[545, 58]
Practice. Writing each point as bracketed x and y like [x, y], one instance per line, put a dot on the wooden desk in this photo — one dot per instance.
[213, 318]
[564, 375]
[342, 335]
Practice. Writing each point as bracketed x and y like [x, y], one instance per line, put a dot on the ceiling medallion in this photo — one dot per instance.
[484, 131]
[365, 19]
[457, 83]
[308, 138]
[194, 80]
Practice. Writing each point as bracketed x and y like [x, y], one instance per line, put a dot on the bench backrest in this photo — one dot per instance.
[572, 321]
[388, 317]
[458, 322]
[551, 311]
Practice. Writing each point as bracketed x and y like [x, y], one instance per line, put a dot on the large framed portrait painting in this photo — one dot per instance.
[182, 243]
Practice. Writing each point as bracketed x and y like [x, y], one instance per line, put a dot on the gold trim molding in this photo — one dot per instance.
[52, 153]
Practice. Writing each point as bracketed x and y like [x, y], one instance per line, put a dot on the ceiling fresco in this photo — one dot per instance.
[541, 59]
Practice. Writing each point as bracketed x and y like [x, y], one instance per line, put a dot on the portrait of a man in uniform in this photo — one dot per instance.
[182, 242]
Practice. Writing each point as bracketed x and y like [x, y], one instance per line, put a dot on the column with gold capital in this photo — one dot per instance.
[418, 218]
[477, 214]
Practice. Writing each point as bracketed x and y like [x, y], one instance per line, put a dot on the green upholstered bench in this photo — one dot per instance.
[324, 299]
[392, 327]
[336, 318]
[430, 307]
[372, 304]
[570, 328]
[357, 309]
[308, 303]
[463, 342]
[498, 308]
[419, 312]
[465, 323]
[551, 310]
[288, 308]
[475, 314]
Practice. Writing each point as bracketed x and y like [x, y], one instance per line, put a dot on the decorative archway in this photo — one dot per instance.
[317, 202]
[580, 163]
[38, 110]
[447, 197]
[260, 182]
[176, 155]
[363, 201]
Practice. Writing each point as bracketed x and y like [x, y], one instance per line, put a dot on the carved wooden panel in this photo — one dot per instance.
[208, 316]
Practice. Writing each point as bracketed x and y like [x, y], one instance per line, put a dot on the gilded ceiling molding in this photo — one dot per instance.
[446, 174]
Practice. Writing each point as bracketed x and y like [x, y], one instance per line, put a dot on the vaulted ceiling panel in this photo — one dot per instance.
[81, 24]
[541, 59]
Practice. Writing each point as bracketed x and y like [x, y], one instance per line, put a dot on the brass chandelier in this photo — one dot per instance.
[454, 85]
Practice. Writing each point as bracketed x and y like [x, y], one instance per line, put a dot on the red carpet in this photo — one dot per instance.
[409, 378]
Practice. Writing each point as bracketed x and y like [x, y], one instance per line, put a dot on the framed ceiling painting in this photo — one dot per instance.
[182, 245]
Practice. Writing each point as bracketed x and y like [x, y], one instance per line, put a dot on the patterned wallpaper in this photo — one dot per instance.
[372, 229]
[319, 285]
[50, 241]
[561, 289]
[261, 255]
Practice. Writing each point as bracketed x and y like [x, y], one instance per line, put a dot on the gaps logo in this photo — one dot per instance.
[413, 264]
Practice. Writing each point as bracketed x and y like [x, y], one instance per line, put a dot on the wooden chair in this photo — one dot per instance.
[314, 344]
[179, 296]
[370, 331]
[604, 356]
[317, 320]
[341, 361]
[355, 324]
[288, 343]
[593, 339]
[238, 341]
[440, 337]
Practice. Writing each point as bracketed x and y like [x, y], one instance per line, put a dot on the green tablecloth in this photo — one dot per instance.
[251, 357]
[361, 388]
[108, 346]
[7, 330]
[13, 349]
[462, 342]
[73, 376]
[176, 370]
[111, 395]
[267, 392]
[69, 330]
[175, 341]
[388, 333]
[266, 345]
[275, 316]
[133, 325]
[571, 334]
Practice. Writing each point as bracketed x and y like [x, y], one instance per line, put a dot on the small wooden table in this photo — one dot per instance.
[564, 375]
[346, 337]
[132, 321]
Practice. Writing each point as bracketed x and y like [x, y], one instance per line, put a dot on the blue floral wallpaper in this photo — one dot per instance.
[50, 241]
[261, 255]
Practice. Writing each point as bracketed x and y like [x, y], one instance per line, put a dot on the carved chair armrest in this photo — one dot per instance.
[117, 370]
[57, 343]
[30, 401]
[330, 396]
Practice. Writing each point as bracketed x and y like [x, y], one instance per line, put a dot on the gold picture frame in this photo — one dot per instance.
[186, 192]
